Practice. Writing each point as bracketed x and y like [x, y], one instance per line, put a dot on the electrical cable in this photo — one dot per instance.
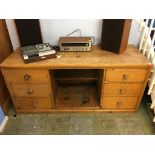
[77, 30]
[93, 38]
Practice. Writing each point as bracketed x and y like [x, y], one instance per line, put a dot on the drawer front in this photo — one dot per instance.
[26, 76]
[120, 89]
[126, 75]
[33, 103]
[119, 102]
[30, 90]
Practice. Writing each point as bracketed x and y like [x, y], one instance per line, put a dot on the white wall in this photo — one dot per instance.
[13, 33]
[52, 29]
[134, 33]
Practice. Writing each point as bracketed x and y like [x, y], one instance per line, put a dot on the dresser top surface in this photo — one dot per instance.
[97, 58]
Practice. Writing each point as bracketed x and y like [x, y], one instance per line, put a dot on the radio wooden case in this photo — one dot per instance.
[75, 43]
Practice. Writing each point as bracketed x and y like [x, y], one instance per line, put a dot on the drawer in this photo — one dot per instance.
[126, 75]
[26, 76]
[119, 102]
[121, 89]
[30, 90]
[33, 103]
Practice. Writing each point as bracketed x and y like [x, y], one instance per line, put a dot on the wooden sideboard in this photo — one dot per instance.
[5, 50]
[78, 81]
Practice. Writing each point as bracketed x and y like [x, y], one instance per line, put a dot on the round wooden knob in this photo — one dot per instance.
[122, 91]
[125, 77]
[30, 91]
[26, 77]
[119, 104]
[34, 104]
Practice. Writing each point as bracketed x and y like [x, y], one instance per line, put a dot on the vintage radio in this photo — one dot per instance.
[75, 43]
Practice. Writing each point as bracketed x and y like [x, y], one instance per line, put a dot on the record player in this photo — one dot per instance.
[37, 52]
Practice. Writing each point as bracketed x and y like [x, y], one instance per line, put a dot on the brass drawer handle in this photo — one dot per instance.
[34, 104]
[125, 77]
[26, 77]
[119, 104]
[30, 91]
[122, 91]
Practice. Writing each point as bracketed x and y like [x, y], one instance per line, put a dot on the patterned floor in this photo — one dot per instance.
[137, 123]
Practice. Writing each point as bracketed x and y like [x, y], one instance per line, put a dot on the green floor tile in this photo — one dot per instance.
[95, 123]
[14, 124]
[129, 126]
[34, 126]
[56, 124]
[105, 126]
[80, 124]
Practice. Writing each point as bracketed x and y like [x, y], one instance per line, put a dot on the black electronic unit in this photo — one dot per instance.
[29, 32]
[115, 33]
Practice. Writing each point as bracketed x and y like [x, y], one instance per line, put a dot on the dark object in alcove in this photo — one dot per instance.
[28, 31]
